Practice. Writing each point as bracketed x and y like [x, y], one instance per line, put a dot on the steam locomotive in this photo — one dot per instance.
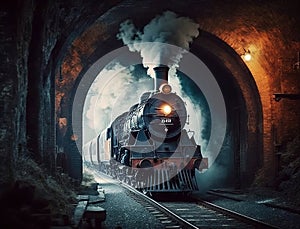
[148, 146]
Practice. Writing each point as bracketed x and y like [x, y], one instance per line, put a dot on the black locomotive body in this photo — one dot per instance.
[150, 139]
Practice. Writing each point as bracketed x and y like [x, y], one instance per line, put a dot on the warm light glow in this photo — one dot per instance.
[247, 56]
[166, 109]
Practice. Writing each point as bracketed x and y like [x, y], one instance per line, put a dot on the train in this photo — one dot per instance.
[148, 146]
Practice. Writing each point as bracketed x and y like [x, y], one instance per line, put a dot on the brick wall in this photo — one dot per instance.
[248, 27]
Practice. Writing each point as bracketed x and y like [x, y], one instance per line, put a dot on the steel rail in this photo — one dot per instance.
[246, 219]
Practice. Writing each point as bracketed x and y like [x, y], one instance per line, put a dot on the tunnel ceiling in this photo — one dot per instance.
[265, 28]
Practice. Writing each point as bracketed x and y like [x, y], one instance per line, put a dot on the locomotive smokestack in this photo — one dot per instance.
[161, 76]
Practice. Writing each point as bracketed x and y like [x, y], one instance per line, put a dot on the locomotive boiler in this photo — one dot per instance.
[148, 146]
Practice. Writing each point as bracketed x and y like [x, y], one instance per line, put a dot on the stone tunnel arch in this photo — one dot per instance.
[242, 146]
[243, 141]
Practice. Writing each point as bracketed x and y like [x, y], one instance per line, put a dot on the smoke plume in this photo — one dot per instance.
[162, 41]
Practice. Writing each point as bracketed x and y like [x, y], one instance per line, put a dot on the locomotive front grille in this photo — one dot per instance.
[163, 180]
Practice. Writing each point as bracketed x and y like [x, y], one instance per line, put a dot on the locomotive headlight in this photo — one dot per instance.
[166, 109]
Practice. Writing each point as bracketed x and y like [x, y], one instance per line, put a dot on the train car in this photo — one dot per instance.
[104, 150]
[149, 143]
[98, 149]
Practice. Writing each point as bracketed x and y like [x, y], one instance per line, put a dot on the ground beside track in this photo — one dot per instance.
[122, 211]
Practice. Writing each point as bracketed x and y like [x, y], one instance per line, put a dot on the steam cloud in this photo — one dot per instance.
[105, 100]
[163, 41]
[164, 29]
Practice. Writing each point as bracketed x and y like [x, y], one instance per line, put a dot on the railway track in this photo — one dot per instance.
[192, 214]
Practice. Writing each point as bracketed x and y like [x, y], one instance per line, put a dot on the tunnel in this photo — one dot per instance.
[241, 153]
[239, 76]
[50, 52]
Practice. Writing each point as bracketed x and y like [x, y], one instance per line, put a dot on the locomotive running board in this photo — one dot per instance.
[161, 181]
